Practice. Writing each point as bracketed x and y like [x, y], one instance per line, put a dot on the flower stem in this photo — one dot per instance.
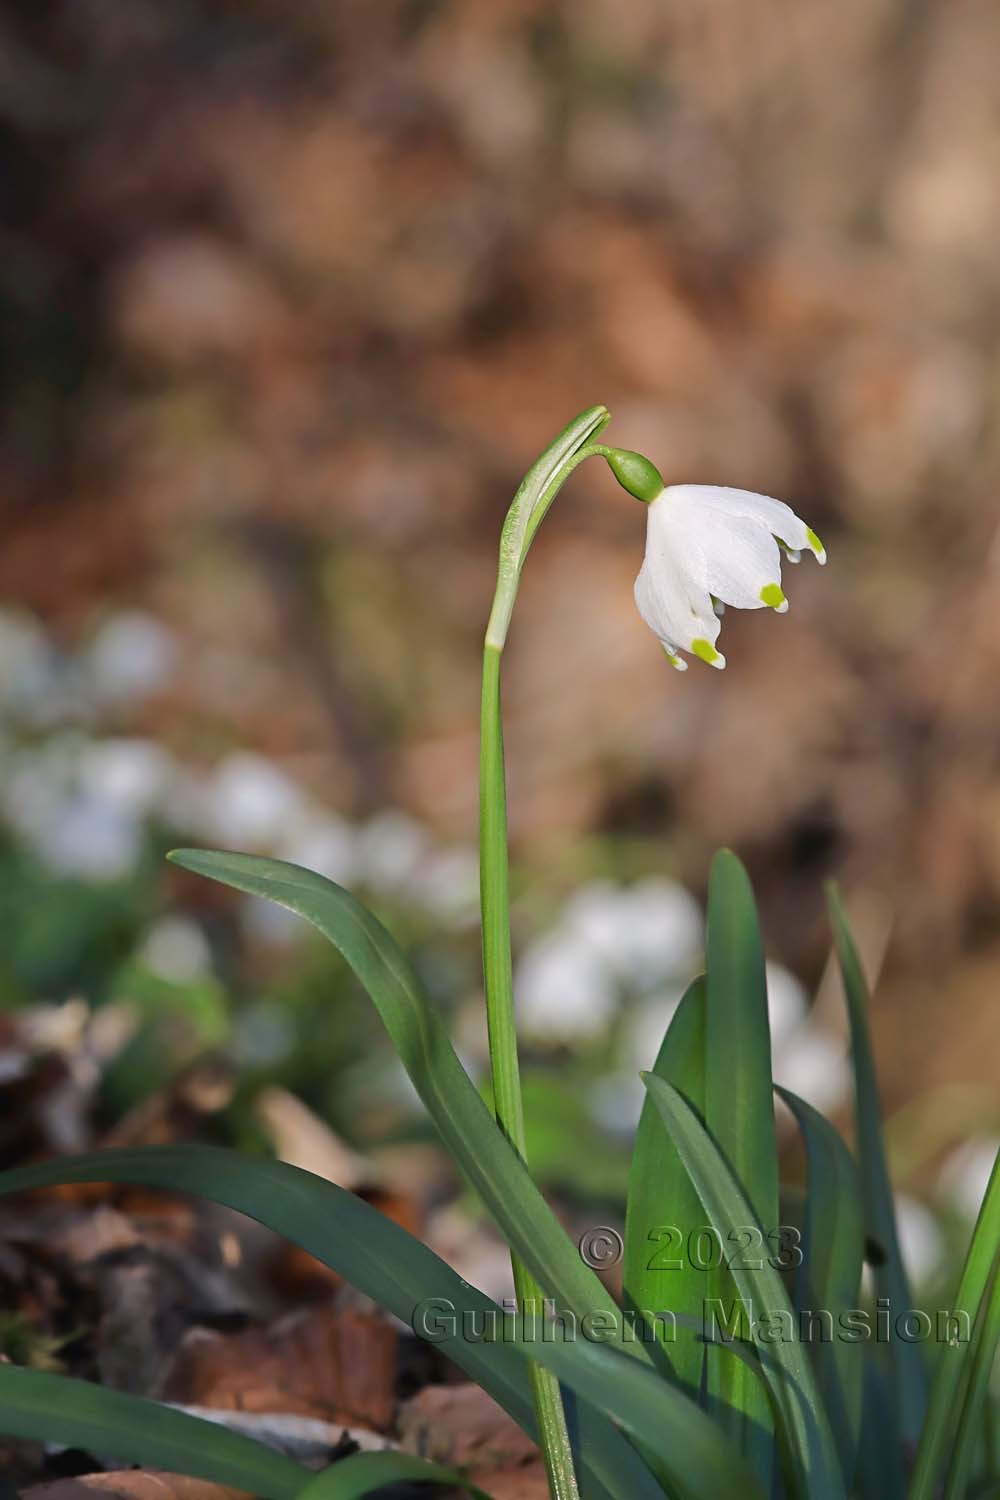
[553, 1435]
[535, 494]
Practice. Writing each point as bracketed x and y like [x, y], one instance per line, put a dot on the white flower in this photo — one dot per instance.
[177, 949]
[786, 1003]
[563, 992]
[966, 1174]
[707, 545]
[644, 933]
[920, 1240]
[250, 802]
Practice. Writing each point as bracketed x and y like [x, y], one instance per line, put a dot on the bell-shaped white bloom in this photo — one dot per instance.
[708, 546]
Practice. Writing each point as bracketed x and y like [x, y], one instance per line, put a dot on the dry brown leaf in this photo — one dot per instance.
[133, 1484]
[337, 1364]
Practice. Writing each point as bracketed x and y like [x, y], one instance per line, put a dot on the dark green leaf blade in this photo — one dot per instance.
[828, 1280]
[371, 1252]
[663, 1209]
[686, 1444]
[783, 1362]
[909, 1375]
[957, 1357]
[481, 1151]
[57, 1409]
[366, 1473]
[739, 1115]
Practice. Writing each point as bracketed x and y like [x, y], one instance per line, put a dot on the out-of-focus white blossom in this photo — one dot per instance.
[966, 1173]
[615, 1102]
[250, 803]
[391, 847]
[786, 1003]
[562, 989]
[177, 949]
[131, 656]
[921, 1242]
[327, 844]
[132, 775]
[645, 932]
[88, 839]
[647, 1026]
[813, 1065]
[448, 886]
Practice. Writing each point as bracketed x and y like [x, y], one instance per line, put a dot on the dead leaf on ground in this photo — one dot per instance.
[337, 1364]
[133, 1484]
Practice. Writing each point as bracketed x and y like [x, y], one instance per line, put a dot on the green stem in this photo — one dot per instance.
[553, 1435]
[535, 494]
[534, 497]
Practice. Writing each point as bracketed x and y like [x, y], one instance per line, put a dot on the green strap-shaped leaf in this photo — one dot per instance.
[956, 1370]
[695, 1457]
[909, 1375]
[48, 1408]
[814, 1466]
[375, 1255]
[366, 1473]
[828, 1281]
[968, 1436]
[663, 1211]
[739, 1115]
[481, 1151]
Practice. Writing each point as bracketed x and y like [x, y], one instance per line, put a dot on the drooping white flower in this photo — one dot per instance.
[708, 546]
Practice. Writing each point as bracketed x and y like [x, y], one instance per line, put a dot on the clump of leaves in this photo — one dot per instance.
[744, 1361]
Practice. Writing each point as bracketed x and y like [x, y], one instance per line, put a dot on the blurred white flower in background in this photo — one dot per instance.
[921, 1242]
[132, 775]
[814, 1065]
[965, 1174]
[250, 803]
[88, 839]
[806, 1059]
[177, 949]
[609, 939]
[787, 1002]
[563, 991]
[647, 1026]
[615, 1102]
[448, 886]
[131, 656]
[38, 685]
[391, 847]
[643, 932]
[327, 844]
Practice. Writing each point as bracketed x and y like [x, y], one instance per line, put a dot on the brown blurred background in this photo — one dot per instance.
[293, 294]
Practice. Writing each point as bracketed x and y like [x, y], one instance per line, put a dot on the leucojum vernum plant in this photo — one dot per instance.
[745, 1358]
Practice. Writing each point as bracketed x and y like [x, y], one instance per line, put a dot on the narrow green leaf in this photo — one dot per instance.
[663, 1212]
[909, 1375]
[366, 1473]
[375, 1255]
[739, 1115]
[973, 1400]
[878, 1474]
[48, 1408]
[956, 1356]
[815, 1468]
[481, 1151]
[698, 1461]
[828, 1281]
